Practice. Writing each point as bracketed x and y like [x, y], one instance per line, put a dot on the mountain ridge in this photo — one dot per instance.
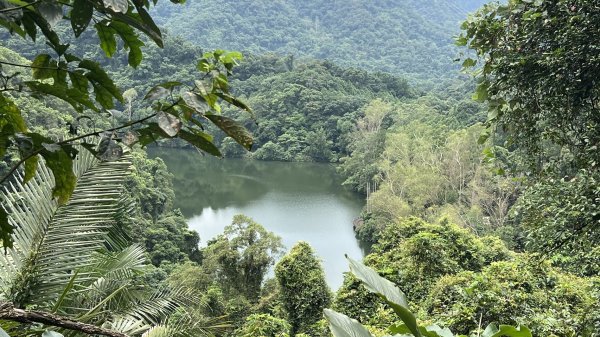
[409, 38]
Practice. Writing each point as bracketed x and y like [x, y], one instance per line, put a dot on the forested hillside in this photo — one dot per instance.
[412, 38]
[482, 196]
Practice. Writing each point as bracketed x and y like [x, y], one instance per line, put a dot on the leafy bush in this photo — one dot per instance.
[520, 291]
[414, 254]
[343, 326]
[263, 325]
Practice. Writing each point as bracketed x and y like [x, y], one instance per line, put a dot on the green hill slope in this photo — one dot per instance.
[409, 37]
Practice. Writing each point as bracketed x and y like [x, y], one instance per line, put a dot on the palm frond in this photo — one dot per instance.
[51, 242]
[127, 325]
[121, 265]
[162, 303]
[187, 324]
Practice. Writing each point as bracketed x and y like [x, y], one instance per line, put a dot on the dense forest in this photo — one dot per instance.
[374, 35]
[480, 176]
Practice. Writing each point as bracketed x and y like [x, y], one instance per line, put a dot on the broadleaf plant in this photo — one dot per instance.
[344, 326]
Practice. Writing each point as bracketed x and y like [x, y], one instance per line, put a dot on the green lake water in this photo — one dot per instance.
[297, 201]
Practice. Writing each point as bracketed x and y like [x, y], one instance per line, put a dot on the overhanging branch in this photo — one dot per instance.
[10, 313]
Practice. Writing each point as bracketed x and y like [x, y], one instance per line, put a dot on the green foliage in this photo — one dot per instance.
[521, 291]
[315, 106]
[385, 36]
[48, 233]
[426, 164]
[414, 254]
[343, 326]
[162, 230]
[562, 217]
[241, 256]
[75, 260]
[303, 290]
[365, 146]
[71, 79]
[262, 325]
[538, 77]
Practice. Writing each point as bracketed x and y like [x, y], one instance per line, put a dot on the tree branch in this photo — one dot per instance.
[27, 66]
[5, 10]
[95, 133]
[10, 313]
[66, 141]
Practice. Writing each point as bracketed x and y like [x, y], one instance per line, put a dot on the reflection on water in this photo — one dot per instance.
[297, 201]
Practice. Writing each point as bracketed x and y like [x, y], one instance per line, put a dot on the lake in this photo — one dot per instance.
[297, 201]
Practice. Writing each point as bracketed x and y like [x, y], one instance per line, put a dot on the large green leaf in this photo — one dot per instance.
[40, 67]
[200, 140]
[436, 331]
[131, 40]
[61, 165]
[169, 123]
[149, 25]
[506, 331]
[3, 333]
[79, 81]
[196, 102]
[30, 168]
[81, 15]
[344, 326]
[234, 101]
[233, 129]
[97, 75]
[29, 26]
[103, 96]
[162, 90]
[11, 114]
[6, 230]
[106, 34]
[74, 97]
[50, 333]
[120, 6]
[48, 32]
[386, 290]
[429, 331]
[51, 12]
[135, 20]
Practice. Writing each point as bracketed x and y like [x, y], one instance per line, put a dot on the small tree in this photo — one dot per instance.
[242, 256]
[304, 291]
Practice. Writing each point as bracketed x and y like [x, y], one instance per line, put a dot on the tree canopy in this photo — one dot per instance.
[178, 110]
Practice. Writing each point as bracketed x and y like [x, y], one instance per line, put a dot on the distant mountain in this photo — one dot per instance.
[407, 37]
